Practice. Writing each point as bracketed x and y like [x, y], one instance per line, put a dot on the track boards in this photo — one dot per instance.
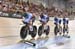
[58, 41]
[61, 40]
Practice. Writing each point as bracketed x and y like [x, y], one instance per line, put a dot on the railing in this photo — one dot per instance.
[11, 14]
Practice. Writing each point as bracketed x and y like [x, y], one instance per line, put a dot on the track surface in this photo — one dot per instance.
[9, 34]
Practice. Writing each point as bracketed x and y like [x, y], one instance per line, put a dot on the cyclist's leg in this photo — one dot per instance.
[63, 29]
[60, 30]
[56, 30]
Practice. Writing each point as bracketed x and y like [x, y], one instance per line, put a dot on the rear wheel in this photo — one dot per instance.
[40, 30]
[60, 30]
[34, 32]
[56, 30]
[47, 30]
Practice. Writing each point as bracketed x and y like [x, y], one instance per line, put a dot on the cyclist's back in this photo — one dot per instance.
[56, 20]
[65, 21]
[27, 17]
[44, 18]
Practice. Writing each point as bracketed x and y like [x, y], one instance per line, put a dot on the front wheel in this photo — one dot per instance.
[23, 32]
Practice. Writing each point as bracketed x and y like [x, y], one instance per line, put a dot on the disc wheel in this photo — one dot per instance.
[56, 30]
[47, 30]
[40, 30]
[34, 32]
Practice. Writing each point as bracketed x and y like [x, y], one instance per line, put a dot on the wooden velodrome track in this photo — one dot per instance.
[10, 29]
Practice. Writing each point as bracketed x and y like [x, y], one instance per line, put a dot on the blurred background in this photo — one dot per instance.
[13, 7]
